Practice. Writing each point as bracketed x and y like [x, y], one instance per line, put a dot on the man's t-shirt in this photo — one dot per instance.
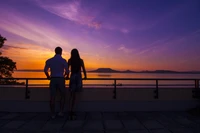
[57, 66]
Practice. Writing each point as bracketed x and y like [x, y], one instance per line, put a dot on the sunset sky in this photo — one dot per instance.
[119, 34]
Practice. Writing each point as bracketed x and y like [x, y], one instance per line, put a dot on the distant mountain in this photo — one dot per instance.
[105, 70]
[128, 71]
[109, 70]
[159, 71]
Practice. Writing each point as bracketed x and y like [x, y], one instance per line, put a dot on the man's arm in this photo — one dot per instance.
[66, 69]
[68, 65]
[46, 68]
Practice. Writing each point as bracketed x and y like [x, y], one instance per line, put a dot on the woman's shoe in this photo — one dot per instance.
[61, 114]
[72, 116]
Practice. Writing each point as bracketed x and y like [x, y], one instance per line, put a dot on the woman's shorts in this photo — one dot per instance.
[75, 83]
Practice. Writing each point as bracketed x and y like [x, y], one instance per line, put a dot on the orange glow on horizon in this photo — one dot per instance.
[33, 57]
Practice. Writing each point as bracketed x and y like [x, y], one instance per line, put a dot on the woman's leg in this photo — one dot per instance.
[72, 101]
[71, 105]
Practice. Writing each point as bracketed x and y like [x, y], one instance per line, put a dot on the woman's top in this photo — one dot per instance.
[75, 65]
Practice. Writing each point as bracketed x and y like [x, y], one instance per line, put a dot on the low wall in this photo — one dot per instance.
[100, 99]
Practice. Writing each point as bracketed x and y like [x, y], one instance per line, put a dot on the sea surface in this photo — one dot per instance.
[25, 74]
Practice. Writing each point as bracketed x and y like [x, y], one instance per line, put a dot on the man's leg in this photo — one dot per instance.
[52, 97]
[71, 105]
[52, 106]
[72, 101]
[62, 103]
[62, 94]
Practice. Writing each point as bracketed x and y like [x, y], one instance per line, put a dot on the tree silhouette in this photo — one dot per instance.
[7, 66]
[2, 40]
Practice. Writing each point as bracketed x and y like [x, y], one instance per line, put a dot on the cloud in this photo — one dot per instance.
[157, 45]
[105, 46]
[8, 47]
[125, 31]
[124, 49]
[39, 32]
[72, 11]
[177, 46]
[196, 33]
[142, 17]
[17, 48]
[95, 25]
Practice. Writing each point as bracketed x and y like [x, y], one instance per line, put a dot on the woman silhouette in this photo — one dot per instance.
[75, 63]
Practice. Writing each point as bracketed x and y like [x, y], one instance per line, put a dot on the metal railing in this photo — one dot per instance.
[194, 85]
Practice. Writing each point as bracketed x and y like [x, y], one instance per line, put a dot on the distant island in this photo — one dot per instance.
[110, 70]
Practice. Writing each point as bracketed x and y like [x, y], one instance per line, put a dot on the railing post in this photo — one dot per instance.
[196, 83]
[156, 91]
[27, 96]
[115, 89]
[196, 91]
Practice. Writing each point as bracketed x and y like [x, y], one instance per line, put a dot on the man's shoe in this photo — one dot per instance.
[53, 116]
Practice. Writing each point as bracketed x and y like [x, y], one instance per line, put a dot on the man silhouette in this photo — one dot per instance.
[58, 70]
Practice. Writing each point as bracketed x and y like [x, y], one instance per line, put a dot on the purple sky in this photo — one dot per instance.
[121, 34]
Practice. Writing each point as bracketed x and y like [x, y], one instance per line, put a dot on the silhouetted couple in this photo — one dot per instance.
[59, 71]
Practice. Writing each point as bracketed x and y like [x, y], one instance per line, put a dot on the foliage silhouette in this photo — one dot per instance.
[7, 67]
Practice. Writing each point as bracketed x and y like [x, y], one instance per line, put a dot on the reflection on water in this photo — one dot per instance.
[104, 75]
[21, 74]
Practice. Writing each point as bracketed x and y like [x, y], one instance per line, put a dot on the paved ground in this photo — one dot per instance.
[101, 122]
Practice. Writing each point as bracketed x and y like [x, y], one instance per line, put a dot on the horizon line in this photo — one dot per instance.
[119, 70]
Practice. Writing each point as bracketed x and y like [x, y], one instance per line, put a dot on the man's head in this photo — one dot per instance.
[58, 50]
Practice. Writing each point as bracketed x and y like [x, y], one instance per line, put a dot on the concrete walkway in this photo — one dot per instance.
[101, 122]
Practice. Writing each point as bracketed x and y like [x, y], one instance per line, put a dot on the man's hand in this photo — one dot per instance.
[48, 77]
[47, 74]
[67, 78]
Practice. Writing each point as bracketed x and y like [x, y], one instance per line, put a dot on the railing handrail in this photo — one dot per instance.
[111, 78]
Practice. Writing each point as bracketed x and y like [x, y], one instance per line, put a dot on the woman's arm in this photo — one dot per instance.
[69, 64]
[83, 68]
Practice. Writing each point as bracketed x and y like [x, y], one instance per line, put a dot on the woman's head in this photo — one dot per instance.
[75, 54]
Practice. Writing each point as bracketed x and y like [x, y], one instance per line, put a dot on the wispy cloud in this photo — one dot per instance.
[12, 50]
[39, 32]
[178, 49]
[140, 20]
[152, 47]
[8, 47]
[125, 30]
[124, 49]
[106, 46]
[72, 11]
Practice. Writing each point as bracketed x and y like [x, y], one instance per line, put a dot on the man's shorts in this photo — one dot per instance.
[57, 83]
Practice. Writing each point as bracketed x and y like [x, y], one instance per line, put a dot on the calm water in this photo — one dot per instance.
[21, 74]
